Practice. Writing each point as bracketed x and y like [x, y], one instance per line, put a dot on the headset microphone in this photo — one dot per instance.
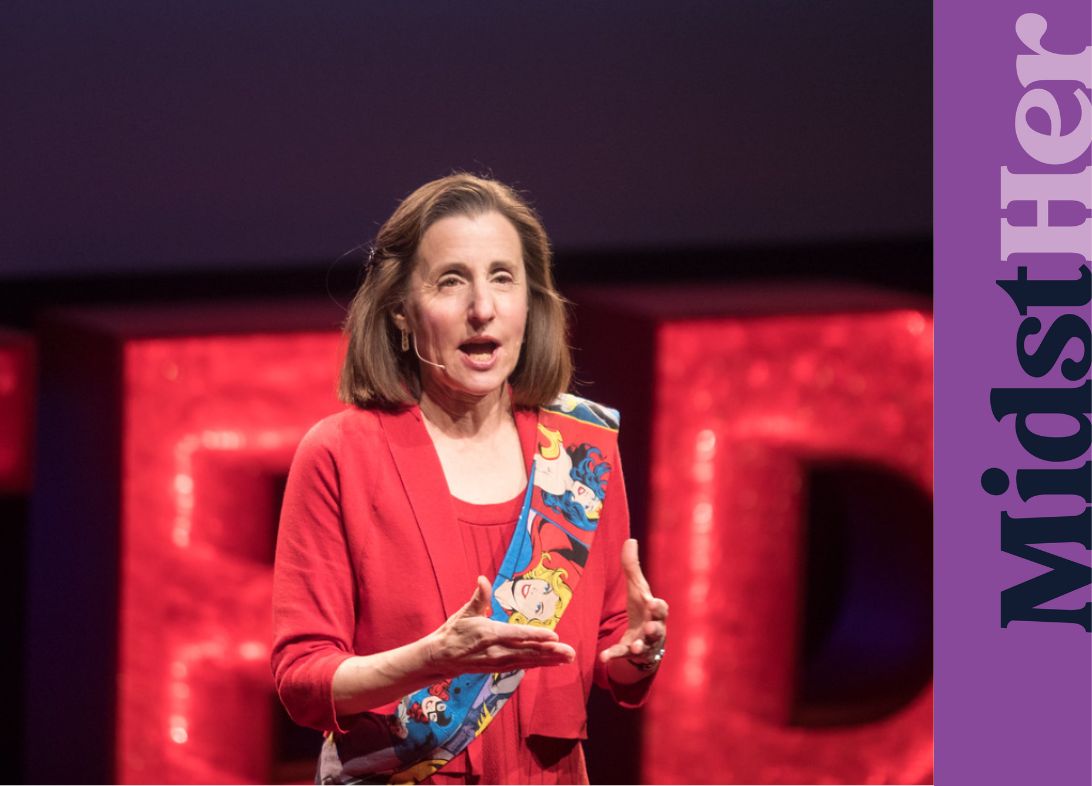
[418, 354]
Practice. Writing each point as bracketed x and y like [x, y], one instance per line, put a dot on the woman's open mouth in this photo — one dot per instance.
[480, 352]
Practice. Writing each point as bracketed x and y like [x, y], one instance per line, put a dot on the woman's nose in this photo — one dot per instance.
[482, 308]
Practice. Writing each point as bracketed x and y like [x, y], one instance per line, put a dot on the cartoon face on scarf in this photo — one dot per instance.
[430, 709]
[573, 480]
[587, 498]
[537, 597]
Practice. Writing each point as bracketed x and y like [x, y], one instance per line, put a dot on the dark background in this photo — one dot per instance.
[194, 137]
[167, 151]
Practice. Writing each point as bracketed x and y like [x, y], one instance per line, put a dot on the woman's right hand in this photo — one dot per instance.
[469, 641]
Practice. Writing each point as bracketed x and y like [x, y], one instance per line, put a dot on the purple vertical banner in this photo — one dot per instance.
[1013, 187]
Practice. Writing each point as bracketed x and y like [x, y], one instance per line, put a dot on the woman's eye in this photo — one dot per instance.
[538, 609]
[448, 281]
[548, 590]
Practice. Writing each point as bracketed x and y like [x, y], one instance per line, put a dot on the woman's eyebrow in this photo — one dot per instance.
[451, 267]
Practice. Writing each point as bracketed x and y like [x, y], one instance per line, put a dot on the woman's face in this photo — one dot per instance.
[587, 498]
[535, 599]
[466, 305]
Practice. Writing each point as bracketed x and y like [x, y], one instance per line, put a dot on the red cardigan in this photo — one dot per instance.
[369, 558]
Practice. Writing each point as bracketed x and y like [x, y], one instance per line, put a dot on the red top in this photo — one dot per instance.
[505, 755]
[370, 557]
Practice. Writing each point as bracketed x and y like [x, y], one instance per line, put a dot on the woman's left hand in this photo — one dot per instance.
[642, 644]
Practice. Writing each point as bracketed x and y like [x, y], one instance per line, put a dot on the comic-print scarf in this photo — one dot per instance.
[535, 584]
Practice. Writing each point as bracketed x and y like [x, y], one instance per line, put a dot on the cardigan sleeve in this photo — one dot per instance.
[614, 620]
[313, 584]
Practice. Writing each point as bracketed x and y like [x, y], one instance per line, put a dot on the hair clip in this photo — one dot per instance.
[370, 260]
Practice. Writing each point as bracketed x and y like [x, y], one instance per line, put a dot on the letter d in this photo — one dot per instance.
[1022, 402]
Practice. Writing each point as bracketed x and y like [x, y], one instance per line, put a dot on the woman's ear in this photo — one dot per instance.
[398, 316]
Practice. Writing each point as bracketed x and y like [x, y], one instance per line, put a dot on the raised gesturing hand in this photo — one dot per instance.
[469, 641]
[642, 645]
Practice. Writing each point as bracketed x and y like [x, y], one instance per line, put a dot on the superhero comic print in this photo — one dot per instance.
[536, 582]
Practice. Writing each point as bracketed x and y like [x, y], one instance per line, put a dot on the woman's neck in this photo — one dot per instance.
[466, 416]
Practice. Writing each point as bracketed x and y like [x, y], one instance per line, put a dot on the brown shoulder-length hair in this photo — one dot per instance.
[376, 373]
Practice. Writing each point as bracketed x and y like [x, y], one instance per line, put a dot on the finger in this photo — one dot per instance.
[631, 563]
[484, 595]
[631, 566]
[653, 629]
[509, 633]
[619, 650]
[654, 634]
[553, 648]
[510, 663]
[479, 604]
[498, 656]
[657, 609]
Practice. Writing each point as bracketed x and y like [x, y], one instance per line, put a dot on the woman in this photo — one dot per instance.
[391, 631]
